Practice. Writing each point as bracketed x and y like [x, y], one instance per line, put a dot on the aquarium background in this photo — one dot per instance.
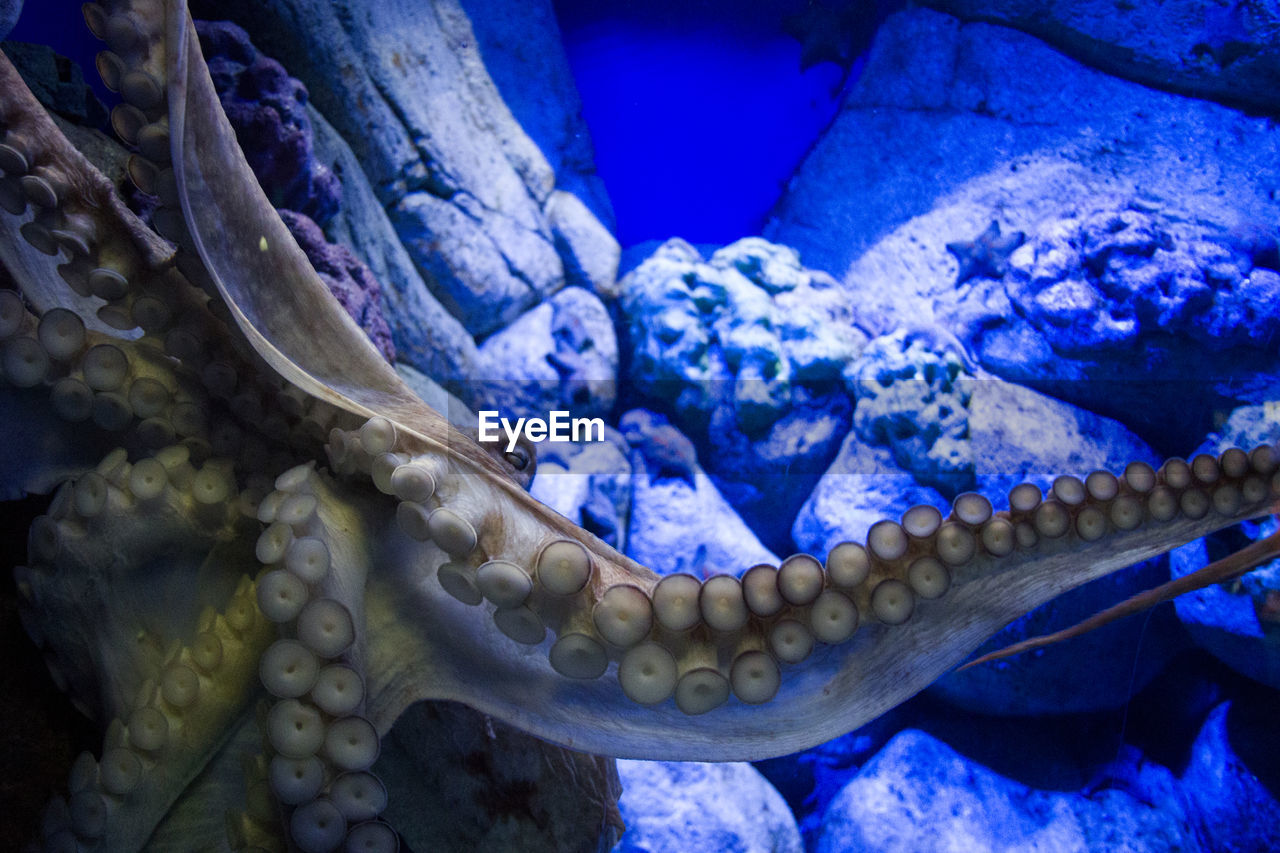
[815, 263]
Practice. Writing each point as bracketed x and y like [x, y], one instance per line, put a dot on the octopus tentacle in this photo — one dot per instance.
[768, 664]
[1228, 568]
[163, 692]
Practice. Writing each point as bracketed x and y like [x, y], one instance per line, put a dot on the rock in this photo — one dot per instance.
[863, 485]
[1006, 435]
[671, 805]
[483, 265]
[1002, 127]
[913, 397]
[1220, 51]
[590, 252]
[1091, 300]
[405, 85]
[10, 10]
[660, 535]
[56, 81]
[667, 454]
[347, 278]
[478, 784]
[1230, 780]
[588, 483]
[955, 126]
[425, 335]
[562, 355]
[523, 53]
[744, 351]
[919, 794]
[268, 111]
[768, 477]
[1235, 621]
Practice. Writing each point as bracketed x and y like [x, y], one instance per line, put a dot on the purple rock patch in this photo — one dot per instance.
[267, 109]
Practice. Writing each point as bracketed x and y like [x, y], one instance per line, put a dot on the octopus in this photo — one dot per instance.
[256, 526]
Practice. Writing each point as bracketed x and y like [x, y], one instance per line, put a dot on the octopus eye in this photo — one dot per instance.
[518, 459]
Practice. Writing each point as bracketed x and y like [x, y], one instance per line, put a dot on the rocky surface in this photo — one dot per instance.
[561, 355]
[1236, 621]
[9, 12]
[667, 490]
[954, 126]
[426, 336]
[588, 483]
[1230, 778]
[406, 86]
[56, 81]
[524, 55]
[696, 806]
[918, 792]
[1223, 51]
[268, 111]
[744, 351]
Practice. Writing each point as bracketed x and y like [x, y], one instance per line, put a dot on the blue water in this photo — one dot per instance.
[697, 108]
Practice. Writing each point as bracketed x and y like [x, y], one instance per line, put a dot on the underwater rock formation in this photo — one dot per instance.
[917, 789]
[464, 186]
[268, 110]
[561, 355]
[744, 351]
[681, 806]
[1223, 51]
[1148, 215]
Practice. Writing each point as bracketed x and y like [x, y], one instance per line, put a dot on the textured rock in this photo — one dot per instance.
[347, 278]
[1091, 299]
[1229, 783]
[590, 252]
[662, 504]
[9, 12]
[562, 355]
[919, 794]
[485, 786]
[268, 111]
[671, 806]
[520, 43]
[56, 81]
[1000, 125]
[1235, 621]
[1004, 434]
[913, 397]
[588, 483]
[1226, 52]
[744, 351]
[862, 486]
[426, 336]
[953, 126]
[405, 85]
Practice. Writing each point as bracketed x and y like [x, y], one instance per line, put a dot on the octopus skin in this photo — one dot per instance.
[272, 519]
